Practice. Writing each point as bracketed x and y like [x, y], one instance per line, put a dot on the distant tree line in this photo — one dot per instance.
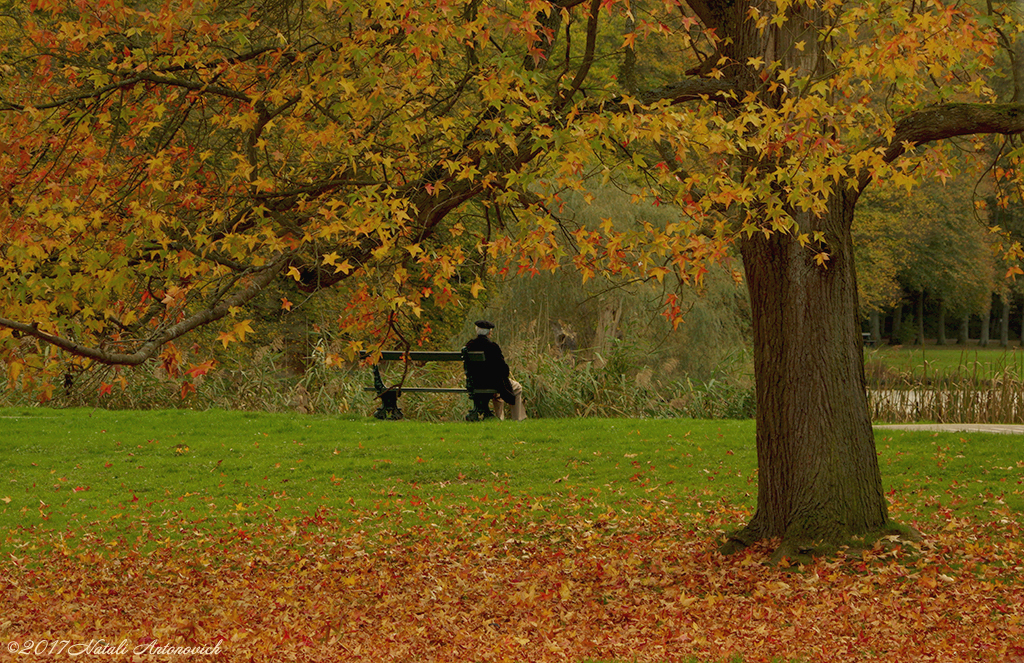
[931, 265]
[921, 316]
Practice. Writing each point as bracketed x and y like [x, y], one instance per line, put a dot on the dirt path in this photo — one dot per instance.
[1009, 429]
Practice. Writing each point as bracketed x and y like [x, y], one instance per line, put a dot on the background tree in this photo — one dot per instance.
[931, 242]
[161, 168]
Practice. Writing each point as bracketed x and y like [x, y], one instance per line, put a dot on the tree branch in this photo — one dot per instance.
[150, 348]
[689, 89]
[948, 121]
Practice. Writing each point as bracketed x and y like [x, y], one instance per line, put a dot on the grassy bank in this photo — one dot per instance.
[931, 362]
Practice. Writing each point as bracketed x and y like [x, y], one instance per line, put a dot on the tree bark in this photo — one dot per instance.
[940, 334]
[818, 473]
[1004, 321]
[919, 318]
[986, 322]
[876, 327]
[897, 324]
[964, 336]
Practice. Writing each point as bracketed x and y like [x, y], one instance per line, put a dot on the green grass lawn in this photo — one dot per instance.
[63, 470]
[934, 361]
[69, 470]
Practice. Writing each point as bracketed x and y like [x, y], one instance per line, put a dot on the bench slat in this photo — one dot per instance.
[425, 355]
[438, 390]
[389, 395]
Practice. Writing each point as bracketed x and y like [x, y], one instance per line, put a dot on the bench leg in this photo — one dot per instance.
[388, 409]
[481, 408]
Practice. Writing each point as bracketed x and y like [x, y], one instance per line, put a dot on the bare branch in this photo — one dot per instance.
[683, 91]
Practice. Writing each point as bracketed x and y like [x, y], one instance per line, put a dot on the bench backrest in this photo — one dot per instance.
[427, 355]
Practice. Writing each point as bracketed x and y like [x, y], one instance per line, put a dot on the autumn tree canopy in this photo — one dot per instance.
[161, 166]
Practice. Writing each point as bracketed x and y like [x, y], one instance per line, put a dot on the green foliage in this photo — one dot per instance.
[932, 240]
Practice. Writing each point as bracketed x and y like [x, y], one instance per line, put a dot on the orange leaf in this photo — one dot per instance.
[226, 338]
[202, 369]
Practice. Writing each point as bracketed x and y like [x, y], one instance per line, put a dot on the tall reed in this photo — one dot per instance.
[554, 385]
[964, 394]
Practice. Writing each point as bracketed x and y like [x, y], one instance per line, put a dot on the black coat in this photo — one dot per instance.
[492, 372]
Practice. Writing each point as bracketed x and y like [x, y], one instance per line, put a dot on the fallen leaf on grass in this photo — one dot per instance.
[494, 584]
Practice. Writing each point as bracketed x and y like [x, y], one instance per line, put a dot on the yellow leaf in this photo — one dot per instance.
[294, 273]
[659, 273]
[241, 329]
[476, 288]
[13, 371]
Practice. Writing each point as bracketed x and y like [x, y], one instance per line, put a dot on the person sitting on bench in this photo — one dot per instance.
[493, 372]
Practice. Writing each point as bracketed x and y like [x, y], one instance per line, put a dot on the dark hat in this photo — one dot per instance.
[484, 324]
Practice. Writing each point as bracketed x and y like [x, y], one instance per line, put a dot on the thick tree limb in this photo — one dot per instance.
[951, 120]
[151, 347]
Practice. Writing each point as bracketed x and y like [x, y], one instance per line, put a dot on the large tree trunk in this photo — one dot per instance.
[818, 472]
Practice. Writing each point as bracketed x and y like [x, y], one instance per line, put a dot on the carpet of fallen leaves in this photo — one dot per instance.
[508, 585]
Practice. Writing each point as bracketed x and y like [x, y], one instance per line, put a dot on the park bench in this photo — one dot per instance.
[480, 398]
